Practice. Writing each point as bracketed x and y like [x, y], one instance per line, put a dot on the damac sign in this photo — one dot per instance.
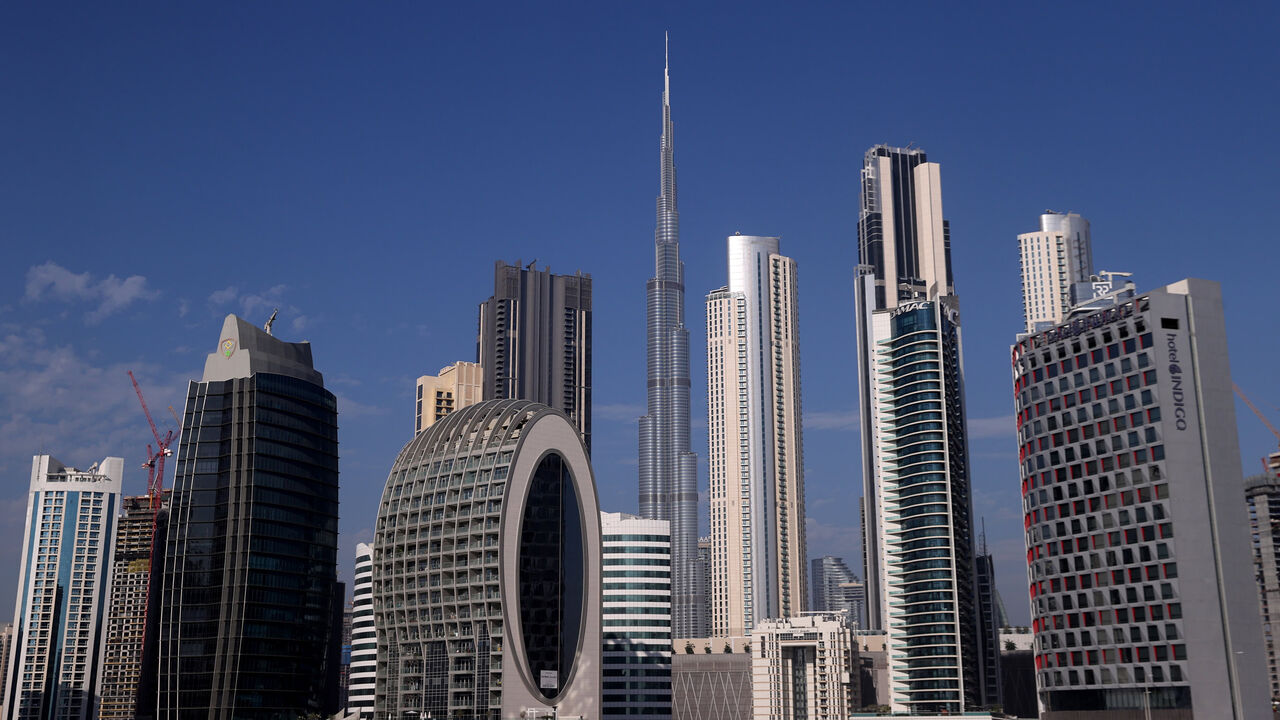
[1175, 375]
[909, 307]
[1080, 325]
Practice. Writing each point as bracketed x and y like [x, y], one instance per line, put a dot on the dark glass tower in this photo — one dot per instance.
[668, 470]
[534, 340]
[251, 608]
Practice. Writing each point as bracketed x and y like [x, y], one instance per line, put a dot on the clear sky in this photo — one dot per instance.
[362, 167]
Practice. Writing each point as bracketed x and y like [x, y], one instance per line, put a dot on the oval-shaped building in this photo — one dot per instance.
[486, 576]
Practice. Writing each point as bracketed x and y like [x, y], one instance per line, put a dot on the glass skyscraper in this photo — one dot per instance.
[668, 469]
[250, 608]
[917, 519]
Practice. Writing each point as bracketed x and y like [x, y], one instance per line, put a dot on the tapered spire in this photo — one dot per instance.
[666, 69]
[668, 481]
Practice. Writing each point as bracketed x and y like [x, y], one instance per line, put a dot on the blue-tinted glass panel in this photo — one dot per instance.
[551, 574]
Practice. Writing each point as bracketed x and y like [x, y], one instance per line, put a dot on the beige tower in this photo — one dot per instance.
[756, 475]
[1052, 260]
[454, 388]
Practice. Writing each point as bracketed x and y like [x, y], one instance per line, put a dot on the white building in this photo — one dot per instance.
[1139, 564]
[62, 589]
[1053, 259]
[364, 637]
[756, 468]
[636, 615]
[804, 668]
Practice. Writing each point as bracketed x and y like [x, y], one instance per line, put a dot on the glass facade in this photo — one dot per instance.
[551, 575]
[932, 629]
[250, 593]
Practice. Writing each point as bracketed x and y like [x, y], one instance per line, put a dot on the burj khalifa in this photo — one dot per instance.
[668, 469]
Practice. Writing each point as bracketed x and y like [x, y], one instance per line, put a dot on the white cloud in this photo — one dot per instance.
[841, 540]
[56, 400]
[350, 408]
[224, 296]
[624, 412]
[993, 427]
[256, 307]
[832, 419]
[53, 282]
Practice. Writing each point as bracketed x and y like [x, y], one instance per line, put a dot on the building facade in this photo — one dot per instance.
[453, 388]
[711, 678]
[55, 664]
[486, 570]
[756, 470]
[917, 498]
[989, 624]
[904, 253]
[1262, 492]
[805, 668]
[668, 469]
[127, 611]
[6, 649]
[1136, 529]
[704, 564]
[364, 637]
[636, 616]
[534, 340]
[250, 605]
[1053, 259]
[834, 588]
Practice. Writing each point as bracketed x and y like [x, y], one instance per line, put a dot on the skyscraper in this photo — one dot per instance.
[833, 587]
[486, 570]
[1262, 492]
[250, 607]
[757, 474]
[918, 529]
[127, 611]
[989, 621]
[668, 469]
[55, 663]
[534, 340]
[1138, 557]
[636, 603]
[6, 648]
[453, 388]
[825, 576]
[364, 637]
[1053, 260]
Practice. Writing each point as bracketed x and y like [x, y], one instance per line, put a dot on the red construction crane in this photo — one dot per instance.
[155, 459]
[155, 483]
[1265, 466]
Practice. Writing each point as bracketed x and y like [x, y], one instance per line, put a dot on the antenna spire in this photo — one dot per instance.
[666, 65]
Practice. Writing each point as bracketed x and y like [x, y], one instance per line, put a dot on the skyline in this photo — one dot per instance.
[302, 165]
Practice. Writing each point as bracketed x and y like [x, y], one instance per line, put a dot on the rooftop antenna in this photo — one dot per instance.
[271, 320]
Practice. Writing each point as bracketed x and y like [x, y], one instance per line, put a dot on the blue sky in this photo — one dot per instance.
[361, 168]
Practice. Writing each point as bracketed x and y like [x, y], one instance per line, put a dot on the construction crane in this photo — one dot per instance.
[155, 458]
[155, 486]
[1266, 467]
